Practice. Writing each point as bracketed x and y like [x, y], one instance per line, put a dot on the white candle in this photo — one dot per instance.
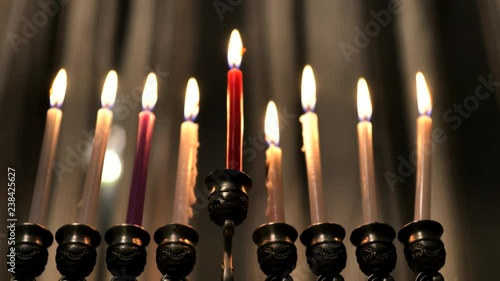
[424, 129]
[41, 191]
[310, 137]
[90, 197]
[186, 165]
[275, 211]
[365, 145]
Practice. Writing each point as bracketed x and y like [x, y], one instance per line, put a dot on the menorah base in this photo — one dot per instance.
[326, 254]
[276, 252]
[31, 255]
[375, 252]
[176, 253]
[126, 254]
[424, 250]
[76, 254]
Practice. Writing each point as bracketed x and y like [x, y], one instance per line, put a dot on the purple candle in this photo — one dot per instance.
[144, 135]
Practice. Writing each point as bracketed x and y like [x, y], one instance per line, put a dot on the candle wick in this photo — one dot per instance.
[426, 113]
[190, 118]
[308, 109]
[273, 143]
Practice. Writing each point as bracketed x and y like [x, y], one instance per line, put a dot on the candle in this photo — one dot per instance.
[424, 128]
[234, 103]
[275, 204]
[41, 191]
[365, 145]
[144, 136]
[90, 197]
[186, 165]
[310, 137]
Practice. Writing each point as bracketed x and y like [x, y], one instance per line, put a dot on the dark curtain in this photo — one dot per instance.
[454, 43]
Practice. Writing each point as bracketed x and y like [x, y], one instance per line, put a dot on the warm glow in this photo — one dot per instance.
[235, 50]
[150, 93]
[109, 90]
[272, 125]
[308, 89]
[192, 102]
[364, 101]
[58, 90]
[423, 96]
[112, 167]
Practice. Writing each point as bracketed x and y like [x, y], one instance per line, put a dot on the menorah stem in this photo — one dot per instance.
[227, 207]
[228, 232]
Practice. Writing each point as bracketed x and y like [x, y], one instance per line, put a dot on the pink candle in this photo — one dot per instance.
[186, 164]
[310, 136]
[275, 203]
[365, 145]
[41, 192]
[90, 197]
[144, 136]
[424, 130]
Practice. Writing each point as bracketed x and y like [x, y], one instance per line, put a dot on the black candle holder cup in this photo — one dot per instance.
[76, 254]
[424, 250]
[31, 255]
[276, 252]
[126, 253]
[176, 253]
[375, 251]
[326, 253]
[228, 206]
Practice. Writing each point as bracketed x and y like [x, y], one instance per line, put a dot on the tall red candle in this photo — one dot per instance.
[234, 148]
[144, 136]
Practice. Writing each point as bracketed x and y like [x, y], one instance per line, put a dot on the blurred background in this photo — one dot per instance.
[456, 44]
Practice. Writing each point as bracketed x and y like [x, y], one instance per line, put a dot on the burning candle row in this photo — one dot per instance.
[311, 148]
[88, 208]
[188, 146]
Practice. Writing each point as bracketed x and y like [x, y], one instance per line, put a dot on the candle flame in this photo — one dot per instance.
[423, 96]
[272, 125]
[58, 90]
[235, 50]
[364, 101]
[109, 89]
[192, 102]
[150, 93]
[308, 89]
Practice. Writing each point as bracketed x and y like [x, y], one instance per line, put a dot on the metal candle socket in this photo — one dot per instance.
[424, 250]
[375, 252]
[276, 253]
[126, 252]
[326, 254]
[227, 207]
[176, 253]
[32, 241]
[76, 254]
